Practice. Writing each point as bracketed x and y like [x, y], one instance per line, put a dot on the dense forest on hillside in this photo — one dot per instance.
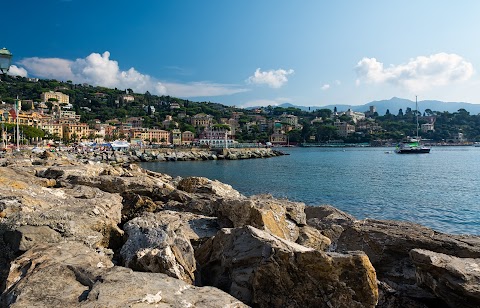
[100, 103]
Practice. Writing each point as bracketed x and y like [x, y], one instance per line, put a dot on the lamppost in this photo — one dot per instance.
[4, 146]
[5, 60]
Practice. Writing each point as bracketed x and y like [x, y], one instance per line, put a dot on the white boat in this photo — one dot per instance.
[413, 145]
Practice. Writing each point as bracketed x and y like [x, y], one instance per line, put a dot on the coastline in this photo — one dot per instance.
[56, 205]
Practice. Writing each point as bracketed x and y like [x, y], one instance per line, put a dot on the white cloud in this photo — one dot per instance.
[51, 68]
[325, 87]
[272, 78]
[17, 71]
[420, 73]
[99, 70]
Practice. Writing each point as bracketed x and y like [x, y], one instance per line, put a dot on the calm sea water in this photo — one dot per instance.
[440, 190]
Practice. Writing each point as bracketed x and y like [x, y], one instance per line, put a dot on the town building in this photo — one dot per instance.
[176, 137]
[59, 96]
[151, 134]
[215, 137]
[76, 131]
[202, 120]
[343, 128]
[427, 127]
[188, 137]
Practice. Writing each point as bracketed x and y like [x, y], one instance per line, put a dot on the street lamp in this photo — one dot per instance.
[4, 132]
[5, 60]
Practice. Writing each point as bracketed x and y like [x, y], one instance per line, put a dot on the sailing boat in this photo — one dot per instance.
[413, 145]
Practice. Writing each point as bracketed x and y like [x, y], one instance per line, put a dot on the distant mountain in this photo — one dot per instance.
[395, 103]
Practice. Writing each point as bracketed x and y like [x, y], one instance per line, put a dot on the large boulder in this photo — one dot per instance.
[73, 275]
[35, 213]
[279, 217]
[111, 179]
[264, 270]
[455, 280]
[331, 222]
[162, 242]
[311, 237]
[207, 186]
[388, 244]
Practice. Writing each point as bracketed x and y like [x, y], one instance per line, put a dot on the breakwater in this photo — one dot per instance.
[174, 154]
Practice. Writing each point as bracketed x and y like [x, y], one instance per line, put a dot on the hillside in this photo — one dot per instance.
[396, 103]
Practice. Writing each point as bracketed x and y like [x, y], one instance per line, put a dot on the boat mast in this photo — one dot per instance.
[416, 111]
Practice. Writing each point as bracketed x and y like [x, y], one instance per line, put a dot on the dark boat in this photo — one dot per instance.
[412, 146]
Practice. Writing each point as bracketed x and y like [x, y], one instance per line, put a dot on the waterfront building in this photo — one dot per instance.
[151, 134]
[187, 137]
[215, 137]
[53, 129]
[76, 131]
[279, 136]
[176, 137]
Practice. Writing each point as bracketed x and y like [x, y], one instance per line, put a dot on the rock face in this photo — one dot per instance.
[267, 271]
[73, 275]
[388, 243]
[330, 221]
[161, 243]
[455, 280]
[277, 217]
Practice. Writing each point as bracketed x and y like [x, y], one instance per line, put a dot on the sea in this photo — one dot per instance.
[440, 190]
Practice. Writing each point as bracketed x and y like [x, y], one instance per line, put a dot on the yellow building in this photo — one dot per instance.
[76, 131]
[53, 129]
[202, 119]
[159, 135]
[59, 96]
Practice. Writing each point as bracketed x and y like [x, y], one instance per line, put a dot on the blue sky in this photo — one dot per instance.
[253, 52]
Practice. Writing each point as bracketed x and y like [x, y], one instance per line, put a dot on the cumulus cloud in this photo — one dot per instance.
[272, 78]
[98, 69]
[420, 73]
[325, 87]
[51, 68]
[17, 71]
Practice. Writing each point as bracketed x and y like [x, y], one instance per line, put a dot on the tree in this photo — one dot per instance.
[387, 112]
[400, 112]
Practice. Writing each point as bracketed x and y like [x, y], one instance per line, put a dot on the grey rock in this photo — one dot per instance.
[73, 275]
[455, 280]
[264, 270]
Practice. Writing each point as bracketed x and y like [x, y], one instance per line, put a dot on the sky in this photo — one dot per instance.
[248, 53]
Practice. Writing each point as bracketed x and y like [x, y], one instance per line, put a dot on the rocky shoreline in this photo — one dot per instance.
[171, 154]
[87, 230]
